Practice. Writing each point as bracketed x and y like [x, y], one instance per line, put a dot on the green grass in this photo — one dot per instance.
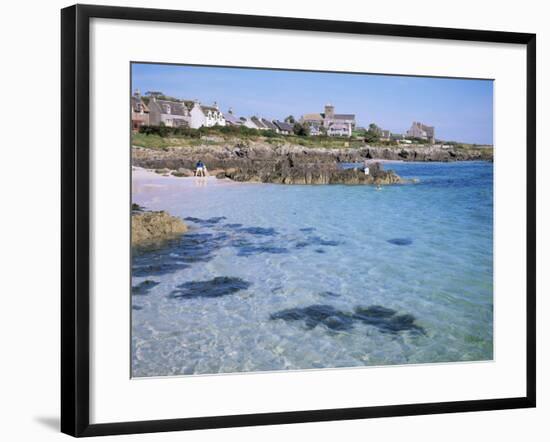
[153, 141]
[150, 141]
[158, 142]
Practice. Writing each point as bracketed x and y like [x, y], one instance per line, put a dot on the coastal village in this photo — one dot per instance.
[156, 109]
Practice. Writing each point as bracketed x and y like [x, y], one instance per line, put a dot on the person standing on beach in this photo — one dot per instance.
[199, 168]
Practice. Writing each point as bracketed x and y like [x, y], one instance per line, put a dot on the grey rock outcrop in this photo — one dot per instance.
[237, 154]
[288, 171]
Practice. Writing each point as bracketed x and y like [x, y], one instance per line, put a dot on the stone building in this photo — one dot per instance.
[169, 113]
[420, 130]
[345, 123]
[140, 112]
[184, 113]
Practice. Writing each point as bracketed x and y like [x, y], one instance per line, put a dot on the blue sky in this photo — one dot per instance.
[460, 110]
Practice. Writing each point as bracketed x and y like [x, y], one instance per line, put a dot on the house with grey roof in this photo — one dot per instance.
[329, 118]
[249, 122]
[169, 113]
[283, 127]
[231, 119]
[268, 124]
[259, 123]
[140, 111]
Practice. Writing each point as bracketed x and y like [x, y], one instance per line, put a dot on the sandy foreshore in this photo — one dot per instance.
[147, 180]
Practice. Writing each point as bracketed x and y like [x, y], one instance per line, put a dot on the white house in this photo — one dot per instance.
[207, 116]
[339, 130]
[385, 135]
[315, 130]
[249, 122]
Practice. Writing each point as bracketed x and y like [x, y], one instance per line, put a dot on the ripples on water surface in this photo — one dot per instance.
[275, 277]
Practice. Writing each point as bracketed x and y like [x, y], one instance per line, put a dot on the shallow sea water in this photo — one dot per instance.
[274, 277]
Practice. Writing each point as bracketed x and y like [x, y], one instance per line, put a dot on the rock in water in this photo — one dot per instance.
[289, 171]
[150, 227]
[213, 288]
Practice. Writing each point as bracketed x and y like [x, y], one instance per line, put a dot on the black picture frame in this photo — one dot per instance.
[75, 213]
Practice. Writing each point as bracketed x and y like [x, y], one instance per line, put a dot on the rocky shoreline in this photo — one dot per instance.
[293, 164]
[235, 153]
[287, 171]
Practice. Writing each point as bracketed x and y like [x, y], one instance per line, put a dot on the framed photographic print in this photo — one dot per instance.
[273, 220]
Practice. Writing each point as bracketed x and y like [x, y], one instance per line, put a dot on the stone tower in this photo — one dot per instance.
[329, 111]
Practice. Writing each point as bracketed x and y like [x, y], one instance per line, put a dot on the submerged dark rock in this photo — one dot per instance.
[233, 225]
[213, 288]
[205, 222]
[249, 249]
[315, 315]
[387, 320]
[401, 241]
[144, 287]
[316, 241]
[261, 231]
[157, 269]
[177, 254]
[384, 319]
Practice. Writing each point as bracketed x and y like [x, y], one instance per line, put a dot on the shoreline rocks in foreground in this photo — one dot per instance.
[153, 227]
[287, 171]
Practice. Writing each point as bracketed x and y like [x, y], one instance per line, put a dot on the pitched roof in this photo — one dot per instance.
[344, 116]
[232, 119]
[258, 123]
[312, 117]
[176, 107]
[283, 126]
[135, 101]
[269, 124]
[209, 108]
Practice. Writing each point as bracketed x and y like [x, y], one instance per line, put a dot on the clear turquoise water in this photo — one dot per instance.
[423, 252]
